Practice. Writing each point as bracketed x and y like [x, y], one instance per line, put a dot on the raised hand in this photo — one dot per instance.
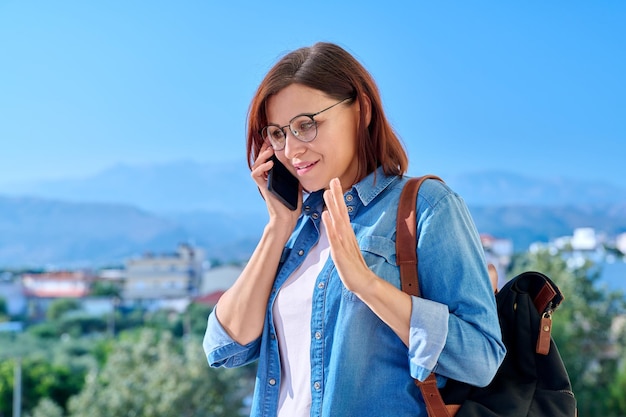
[344, 248]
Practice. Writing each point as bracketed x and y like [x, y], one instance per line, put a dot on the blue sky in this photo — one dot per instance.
[532, 87]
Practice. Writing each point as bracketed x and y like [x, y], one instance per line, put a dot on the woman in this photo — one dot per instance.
[318, 303]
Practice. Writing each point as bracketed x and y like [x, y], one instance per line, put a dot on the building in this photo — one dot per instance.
[217, 280]
[57, 284]
[112, 276]
[41, 289]
[166, 276]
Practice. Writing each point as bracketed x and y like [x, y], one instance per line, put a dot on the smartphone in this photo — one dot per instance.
[283, 184]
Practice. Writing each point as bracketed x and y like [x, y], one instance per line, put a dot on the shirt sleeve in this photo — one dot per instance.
[222, 350]
[455, 330]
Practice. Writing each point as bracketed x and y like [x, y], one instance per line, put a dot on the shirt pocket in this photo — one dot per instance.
[379, 254]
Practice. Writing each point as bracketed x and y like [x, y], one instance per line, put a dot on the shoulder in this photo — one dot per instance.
[432, 191]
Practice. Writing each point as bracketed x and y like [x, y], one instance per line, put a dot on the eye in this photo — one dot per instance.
[304, 124]
[276, 134]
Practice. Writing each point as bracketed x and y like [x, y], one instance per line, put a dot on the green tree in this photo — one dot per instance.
[78, 325]
[46, 408]
[617, 399]
[583, 328]
[152, 374]
[4, 310]
[105, 289]
[196, 317]
[6, 387]
[40, 379]
[60, 307]
[192, 321]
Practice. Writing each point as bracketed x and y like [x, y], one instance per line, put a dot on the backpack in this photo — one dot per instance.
[532, 379]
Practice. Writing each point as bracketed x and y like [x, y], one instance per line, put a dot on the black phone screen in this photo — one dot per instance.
[283, 184]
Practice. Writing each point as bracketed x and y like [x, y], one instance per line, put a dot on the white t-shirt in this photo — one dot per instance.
[292, 319]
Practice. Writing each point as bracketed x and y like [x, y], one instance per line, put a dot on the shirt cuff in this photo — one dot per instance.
[427, 336]
[220, 348]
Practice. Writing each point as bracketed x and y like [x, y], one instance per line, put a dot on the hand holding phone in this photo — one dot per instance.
[283, 184]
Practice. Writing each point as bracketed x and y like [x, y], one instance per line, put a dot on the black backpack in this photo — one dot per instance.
[532, 380]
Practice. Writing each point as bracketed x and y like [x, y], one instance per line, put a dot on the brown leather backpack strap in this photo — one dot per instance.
[406, 238]
[434, 403]
[406, 259]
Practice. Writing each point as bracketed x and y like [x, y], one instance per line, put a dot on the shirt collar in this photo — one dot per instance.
[366, 190]
[371, 186]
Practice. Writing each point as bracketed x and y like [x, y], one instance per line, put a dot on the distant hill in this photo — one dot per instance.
[226, 185]
[38, 232]
[127, 211]
[160, 188]
[494, 188]
[525, 224]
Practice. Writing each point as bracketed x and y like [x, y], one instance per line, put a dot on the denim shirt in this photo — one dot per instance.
[359, 366]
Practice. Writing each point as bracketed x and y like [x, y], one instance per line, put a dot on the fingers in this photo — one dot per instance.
[262, 165]
[333, 197]
[264, 155]
[344, 248]
[336, 218]
[330, 229]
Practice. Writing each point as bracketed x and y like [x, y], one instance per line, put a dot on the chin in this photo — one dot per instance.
[311, 188]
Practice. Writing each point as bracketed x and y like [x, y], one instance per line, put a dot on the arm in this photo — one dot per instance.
[453, 274]
[241, 309]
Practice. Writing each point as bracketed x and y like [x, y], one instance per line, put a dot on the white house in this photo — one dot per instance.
[584, 238]
[164, 276]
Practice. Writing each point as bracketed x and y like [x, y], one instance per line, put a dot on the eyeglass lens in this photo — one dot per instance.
[303, 127]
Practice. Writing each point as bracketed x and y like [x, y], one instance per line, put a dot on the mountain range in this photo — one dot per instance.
[126, 211]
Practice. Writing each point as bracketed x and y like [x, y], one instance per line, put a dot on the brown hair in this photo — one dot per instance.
[329, 68]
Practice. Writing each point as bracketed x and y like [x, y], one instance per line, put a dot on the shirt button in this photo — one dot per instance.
[315, 216]
[272, 336]
[317, 385]
[272, 381]
[318, 335]
[300, 252]
[307, 208]
[350, 208]
[320, 285]
[349, 197]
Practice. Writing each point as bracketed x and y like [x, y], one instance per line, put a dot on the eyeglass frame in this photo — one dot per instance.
[295, 135]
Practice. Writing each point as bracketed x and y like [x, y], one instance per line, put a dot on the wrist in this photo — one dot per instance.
[276, 229]
[369, 287]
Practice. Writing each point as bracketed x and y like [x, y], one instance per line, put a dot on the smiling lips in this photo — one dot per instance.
[305, 167]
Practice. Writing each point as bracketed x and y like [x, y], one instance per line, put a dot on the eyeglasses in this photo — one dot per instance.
[303, 127]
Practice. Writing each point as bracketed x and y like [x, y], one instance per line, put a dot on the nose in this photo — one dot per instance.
[293, 146]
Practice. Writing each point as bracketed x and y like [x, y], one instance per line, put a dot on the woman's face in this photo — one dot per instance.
[333, 151]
